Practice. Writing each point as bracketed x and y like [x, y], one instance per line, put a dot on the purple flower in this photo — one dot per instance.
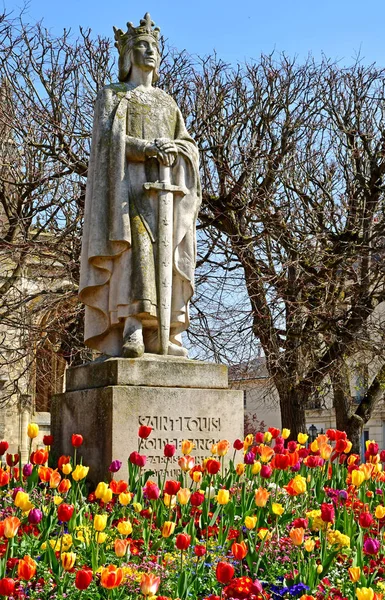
[27, 470]
[379, 492]
[343, 494]
[371, 546]
[35, 516]
[296, 467]
[249, 458]
[115, 466]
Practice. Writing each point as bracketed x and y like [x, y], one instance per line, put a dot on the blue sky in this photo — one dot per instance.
[236, 30]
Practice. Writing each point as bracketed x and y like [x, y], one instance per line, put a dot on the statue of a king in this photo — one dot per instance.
[142, 199]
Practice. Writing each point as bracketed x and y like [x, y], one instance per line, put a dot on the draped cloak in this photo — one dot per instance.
[119, 247]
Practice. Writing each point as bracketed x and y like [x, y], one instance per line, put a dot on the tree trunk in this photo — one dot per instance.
[353, 428]
[293, 415]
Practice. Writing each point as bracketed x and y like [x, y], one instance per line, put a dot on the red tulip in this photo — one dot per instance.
[76, 440]
[144, 431]
[7, 586]
[4, 478]
[199, 550]
[48, 440]
[182, 541]
[196, 499]
[171, 487]
[39, 457]
[365, 519]
[151, 491]
[83, 579]
[65, 512]
[327, 512]
[118, 487]
[169, 450]
[239, 550]
[12, 459]
[3, 447]
[238, 445]
[26, 568]
[213, 466]
[224, 572]
[141, 460]
[63, 460]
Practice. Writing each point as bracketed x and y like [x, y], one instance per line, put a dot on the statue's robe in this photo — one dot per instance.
[119, 247]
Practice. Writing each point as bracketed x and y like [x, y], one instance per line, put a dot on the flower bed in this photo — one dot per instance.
[279, 519]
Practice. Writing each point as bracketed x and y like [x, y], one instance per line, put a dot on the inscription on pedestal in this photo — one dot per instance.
[202, 431]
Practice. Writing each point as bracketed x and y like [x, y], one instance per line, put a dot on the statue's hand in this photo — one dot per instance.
[168, 151]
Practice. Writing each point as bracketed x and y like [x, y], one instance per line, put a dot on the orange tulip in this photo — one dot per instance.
[297, 535]
[4, 478]
[111, 577]
[45, 474]
[186, 463]
[354, 574]
[239, 550]
[149, 584]
[118, 487]
[187, 447]
[325, 451]
[261, 497]
[120, 547]
[26, 568]
[223, 447]
[64, 486]
[55, 479]
[266, 453]
[11, 525]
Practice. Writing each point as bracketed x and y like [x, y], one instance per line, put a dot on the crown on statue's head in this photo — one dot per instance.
[146, 27]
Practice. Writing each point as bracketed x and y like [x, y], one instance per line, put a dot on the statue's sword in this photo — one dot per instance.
[166, 193]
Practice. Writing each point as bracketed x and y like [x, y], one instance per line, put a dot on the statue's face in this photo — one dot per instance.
[144, 54]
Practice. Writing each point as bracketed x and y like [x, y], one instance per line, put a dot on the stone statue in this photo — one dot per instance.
[142, 200]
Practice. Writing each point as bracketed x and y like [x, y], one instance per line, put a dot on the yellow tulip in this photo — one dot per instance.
[100, 522]
[169, 500]
[302, 438]
[248, 440]
[365, 593]
[354, 574]
[325, 451]
[183, 496]
[277, 509]
[33, 430]
[137, 507]
[101, 489]
[264, 534]
[187, 447]
[80, 472]
[357, 478]
[107, 497]
[168, 529]
[319, 569]
[250, 522]
[67, 468]
[366, 469]
[125, 527]
[101, 537]
[57, 500]
[314, 447]
[285, 433]
[214, 449]
[223, 497]
[380, 512]
[256, 467]
[197, 476]
[68, 560]
[309, 545]
[125, 498]
[267, 437]
[22, 501]
[240, 469]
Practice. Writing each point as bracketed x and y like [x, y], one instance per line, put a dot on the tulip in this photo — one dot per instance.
[151, 491]
[125, 498]
[199, 550]
[125, 527]
[65, 512]
[267, 436]
[296, 486]
[26, 568]
[76, 440]
[121, 547]
[182, 541]
[297, 535]
[33, 430]
[67, 468]
[101, 489]
[213, 466]
[137, 507]
[118, 487]
[256, 468]
[101, 537]
[22, 501]
[371, 546]
[3, 448]
[100, 522]
[12, 459]
[196, 499]
[238, 445]
[48, 440]
[266, 471]
[144, 432]
[7, 586]
[169, 450]
[250, 522]
[80, 472]
[240, 469]
[64, 486]
[183, 496]
[45, 474]
[171, 487]
[57, 500]
[285, 433]
[27, 470]
[54, 479]
[249, 458]
[302, 438]
[223, 497]
[168, 529]
[83, 579]
[35, 516]
[354, 574]
[68, 560]
[365, 520]
[187, 447]
[224, 572]
[365, 593]
[210, 492]
[261, 497]
[277, 509]
[223, 447]
[11, 525]
[63, 460]
[239, 550]
[358, 478]
[309, 545]
[186, 463]
[327, 512]
[149, 584]
[115, 466]
[380, 512]
[111, 577]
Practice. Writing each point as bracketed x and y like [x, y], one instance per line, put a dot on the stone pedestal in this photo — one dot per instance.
[181, 399]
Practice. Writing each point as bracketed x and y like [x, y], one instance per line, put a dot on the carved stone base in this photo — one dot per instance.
[116, 396]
